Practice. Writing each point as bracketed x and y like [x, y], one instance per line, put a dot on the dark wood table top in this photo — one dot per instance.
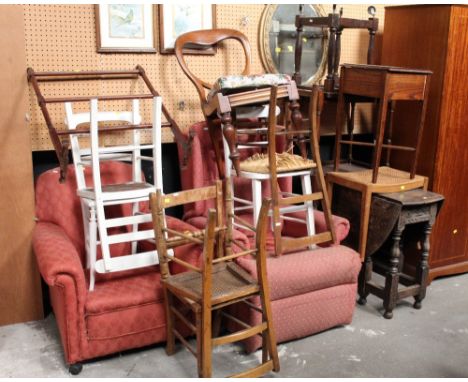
[390, 69]
[413, 197]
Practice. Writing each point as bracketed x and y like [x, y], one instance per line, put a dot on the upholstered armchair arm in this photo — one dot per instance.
[56, 256]
[296, 229]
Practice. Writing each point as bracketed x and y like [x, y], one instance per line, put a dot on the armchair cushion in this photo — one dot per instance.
[124, 306]
[120, 293]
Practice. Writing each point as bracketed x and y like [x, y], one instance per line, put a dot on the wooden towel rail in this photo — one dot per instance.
[62, 145]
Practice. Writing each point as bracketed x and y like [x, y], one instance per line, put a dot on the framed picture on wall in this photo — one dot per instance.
[176, 19]
[125, 28]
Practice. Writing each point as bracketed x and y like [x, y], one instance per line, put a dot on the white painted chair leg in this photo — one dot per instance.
[92, 247]
[85, 213]
[256, 199]
[135, 210]
[310, 222]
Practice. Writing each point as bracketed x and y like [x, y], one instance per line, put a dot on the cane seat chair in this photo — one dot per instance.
[217, 283]
[96, 198]
[233, 101]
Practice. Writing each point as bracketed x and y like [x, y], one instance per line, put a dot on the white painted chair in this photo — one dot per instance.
[95, 199]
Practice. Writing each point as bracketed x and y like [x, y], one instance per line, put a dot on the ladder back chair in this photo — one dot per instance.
[273, 165]
[234, 97]
[217, 283]
[95, 199]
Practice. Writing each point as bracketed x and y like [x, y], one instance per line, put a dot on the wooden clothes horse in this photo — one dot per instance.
[60, 138]
[221, 105]
[216, 284]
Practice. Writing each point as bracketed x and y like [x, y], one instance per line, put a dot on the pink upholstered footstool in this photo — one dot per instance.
[311, 291]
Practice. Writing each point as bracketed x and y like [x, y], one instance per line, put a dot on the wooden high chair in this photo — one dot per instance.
[217, 283]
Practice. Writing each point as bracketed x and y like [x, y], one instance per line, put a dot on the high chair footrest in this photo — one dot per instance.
[124, 263]
[240, 335]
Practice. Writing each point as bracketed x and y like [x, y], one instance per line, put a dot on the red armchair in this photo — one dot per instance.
[311, 291]
[126, 309]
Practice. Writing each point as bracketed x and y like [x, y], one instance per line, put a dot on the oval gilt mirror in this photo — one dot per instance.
[277, 41]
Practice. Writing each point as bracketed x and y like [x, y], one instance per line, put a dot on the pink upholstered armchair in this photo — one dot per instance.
[126, 308]
[311, 291]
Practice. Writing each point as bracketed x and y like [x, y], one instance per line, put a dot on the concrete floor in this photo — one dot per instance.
[431, 342]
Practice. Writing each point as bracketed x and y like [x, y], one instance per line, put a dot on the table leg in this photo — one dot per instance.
[392, 277]
[366, 200]
[364, 277]
[296, 119]
[340, 110]
[423, 267]
[379, 138]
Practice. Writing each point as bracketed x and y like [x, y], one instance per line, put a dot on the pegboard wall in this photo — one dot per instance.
[63, 37]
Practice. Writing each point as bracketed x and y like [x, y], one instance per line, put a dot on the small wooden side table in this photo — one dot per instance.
[386, 84]
[417, 206]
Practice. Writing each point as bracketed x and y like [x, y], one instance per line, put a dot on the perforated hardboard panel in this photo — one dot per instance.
[63, 37]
